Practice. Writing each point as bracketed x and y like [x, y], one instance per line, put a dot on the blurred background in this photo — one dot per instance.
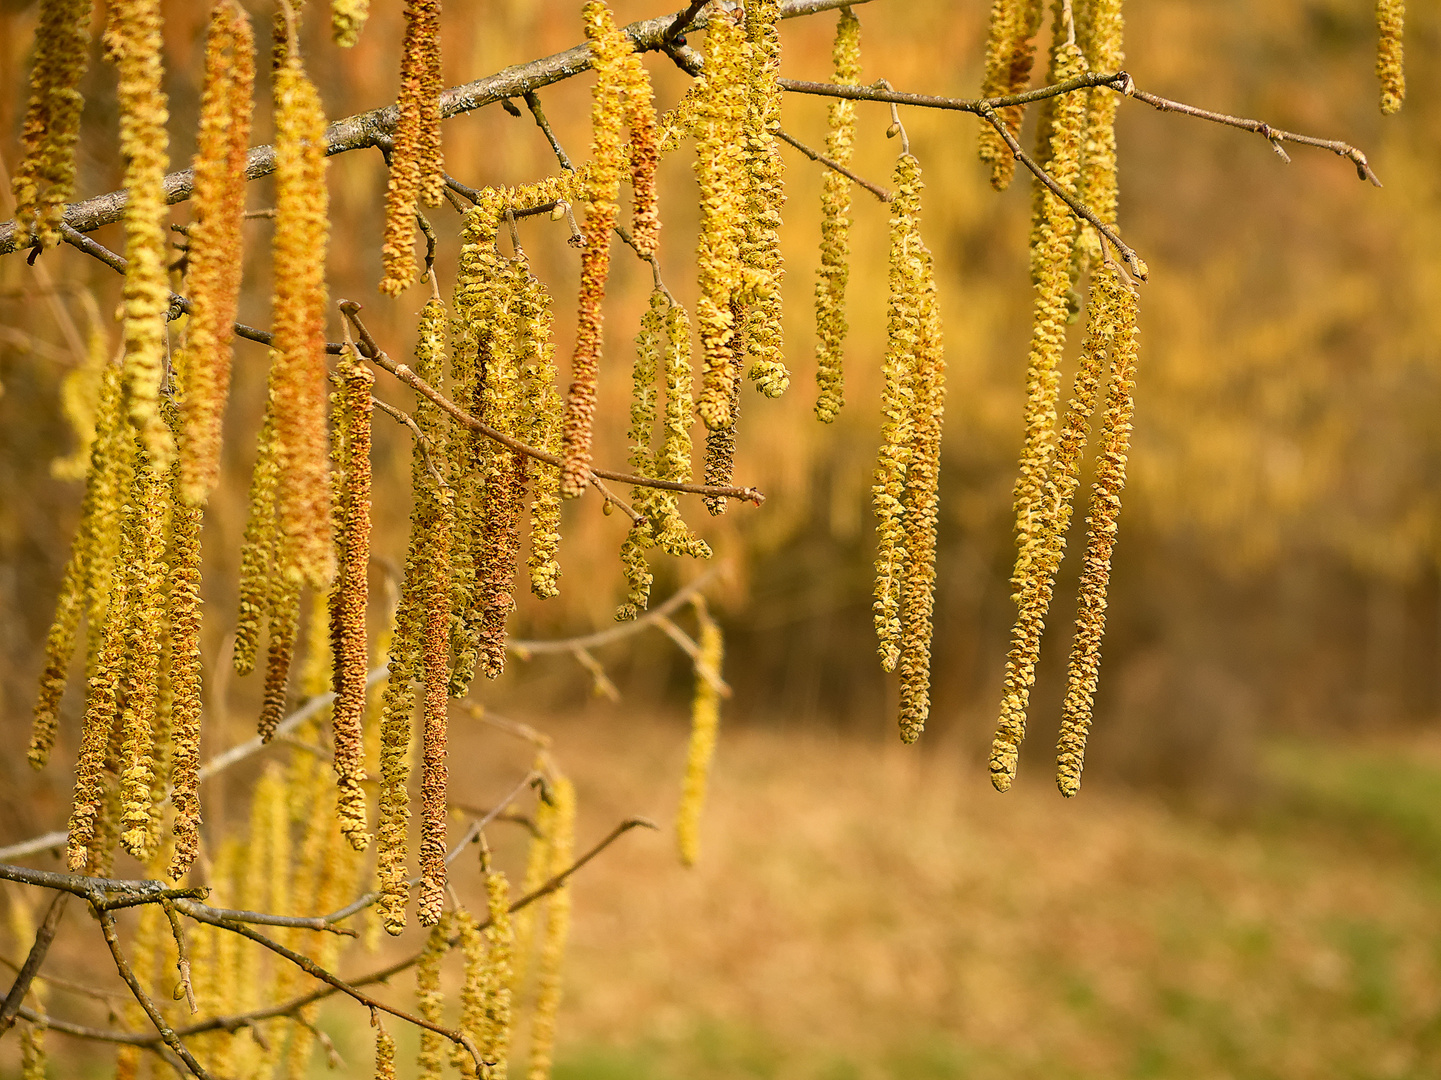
[1248, 884]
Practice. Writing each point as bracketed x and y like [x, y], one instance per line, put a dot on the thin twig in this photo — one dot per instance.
[884, 194]
[532, 100]
[403, 372]
[691, 649]
[182, 955]
[43, 937]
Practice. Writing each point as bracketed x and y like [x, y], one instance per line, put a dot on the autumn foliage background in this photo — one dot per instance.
[1248, 884]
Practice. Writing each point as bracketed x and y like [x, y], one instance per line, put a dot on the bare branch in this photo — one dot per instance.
[879, 192]
[43, 937]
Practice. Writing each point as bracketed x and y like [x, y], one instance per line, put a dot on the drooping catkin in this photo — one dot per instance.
[284, 623]
[903, 337]
[347, 20]
[918, 586]
[1052, 238]
[705, 720]
[384, 1050]
[720, 443]
[133, 42]
[33, 1062]
[1010, 52]
[834, 271]
[762, 265]
[1101, 33]
[537, 869]
[472, 990]
[257, 548]
[434, 775]
[44, 177]
[429, 999]
[349, 602]
[214, 255]
[415, 167]
[644, 155]
[145, 605]
[609, 50]
[493, 1038]
[542, 407]
[1096, 572]
[298, 388]
[85, 585]
[1390, 23]
[557, 929]
[184, 575]
[720, 172]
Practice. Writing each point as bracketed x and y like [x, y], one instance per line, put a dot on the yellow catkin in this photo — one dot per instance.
[537, 869]
[384, 1051]
[762, 265]
[705, 720]
[1096, 572]
[214, 256]
[720, 443]
[184, 574]
[434, 774]
[1100, 32]
[918, 585]
[33, 1062]
[1010, 52]
[834, 271]
[44, 178]
[133, 41]
[720, 171]
[257, 549]
[472, 990]
[430, 1001]
[542, 407]
[347, 20]
[557, 930]
[298, 388]
[85, 586]
[609, 50]
[1052, 238]
[144, 632]
[493, 1038]
[432, 164]
[79, 402]
[898, 425]
[349, 601]
[416, 172]
[1390, 22]
[283, 626]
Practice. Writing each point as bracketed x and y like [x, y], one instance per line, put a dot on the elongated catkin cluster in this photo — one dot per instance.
[1010, 52]
[133, 41]
[417, 173]
[834, 271]
[1105, 508]
[559, 828]
[44, 178]
[215, 254]
[705, 721]
[1100, 32]
[1390, 23]
[347, 19]
[907, 476]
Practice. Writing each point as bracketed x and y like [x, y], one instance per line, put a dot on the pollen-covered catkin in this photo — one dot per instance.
[133, 41]
[644, 155]
[184, 574]
[384, 1051]
[903, 338]
[1101, 521]
[1010, 52]
[44, 177]
[1390, 23]
[298, 388]
[1052, 240]
[1101, 34]
[416, 173]
[284, 623]
[720, 171]
[762, 266]
[349, 603]
[557, 930]
[472, 990]
[429, 999]
[434, 775]
[85, 586]
[720, 443]
[493, 1039]
[347, 19]
[609, 50]
[257, 549]
[214, 255]
[705, 720]
[542, 408]
[834, 271]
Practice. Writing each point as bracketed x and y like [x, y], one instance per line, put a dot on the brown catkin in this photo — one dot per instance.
[705, 720]
[834, 271]
[720, 443]
[347, 20]
[44, 178]
[720, 122]
[133, 42]
[214, 255]
[1010, 53]
[433, 776]
[644, 155]
[349, 603]
[257, 549]
[557, 930]
[298, 387]
[84, 588]
[415, 167]
[284, 623]
[1096, 571]
[1052, 239]
[609, 50]
[184, 573]
[429, 1000]
[1390, 24]
[762, 265]
[432, 82]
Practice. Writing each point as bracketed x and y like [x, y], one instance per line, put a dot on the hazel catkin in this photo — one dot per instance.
[1010, 52]
[834, 271]
[705, 720]
[1390, 22]
[561, 832]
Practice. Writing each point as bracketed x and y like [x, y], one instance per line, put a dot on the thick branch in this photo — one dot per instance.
[375, 127]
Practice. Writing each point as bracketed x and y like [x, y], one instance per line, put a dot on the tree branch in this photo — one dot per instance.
[43, 937]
